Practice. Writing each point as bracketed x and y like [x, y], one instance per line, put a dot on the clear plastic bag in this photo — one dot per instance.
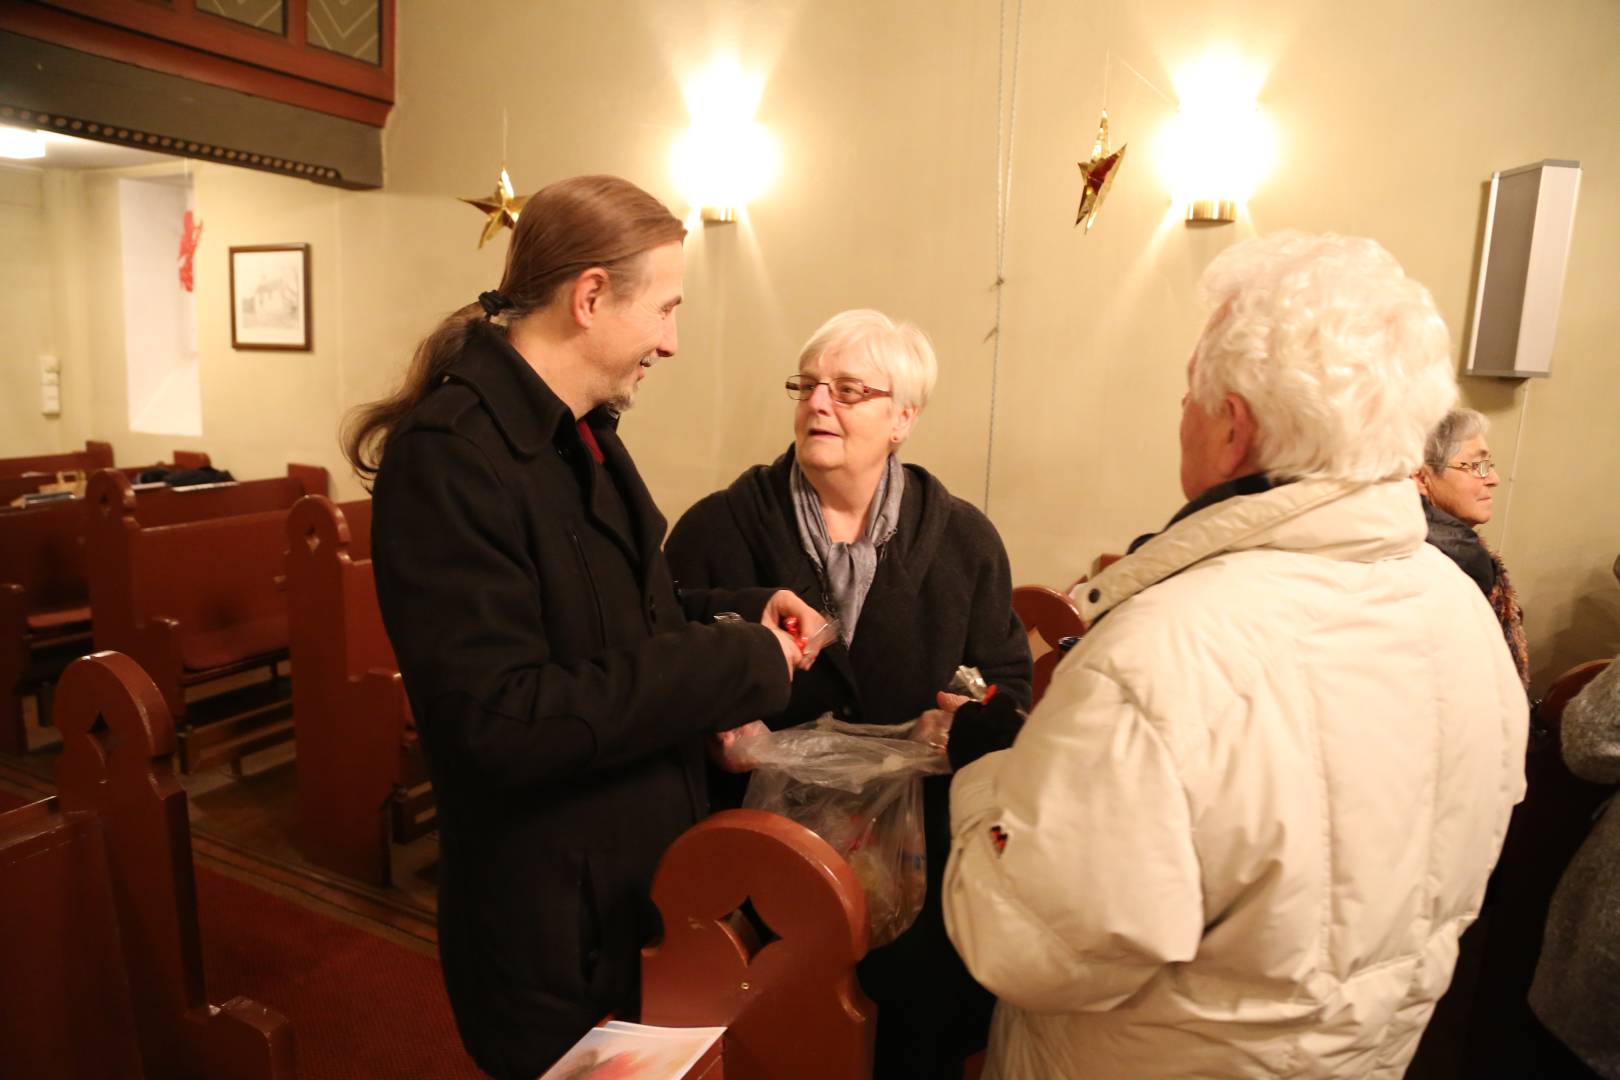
[859, 788]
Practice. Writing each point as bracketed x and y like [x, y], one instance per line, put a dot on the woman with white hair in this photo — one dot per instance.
[919, 583]
[1457, 482]
[1241, 833]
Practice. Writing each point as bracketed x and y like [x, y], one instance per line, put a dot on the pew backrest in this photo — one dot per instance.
[95, 455]
[190, 596]
[13, 486]
[40, 551]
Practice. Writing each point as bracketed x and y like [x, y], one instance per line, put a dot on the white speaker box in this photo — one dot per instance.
[1521, 277]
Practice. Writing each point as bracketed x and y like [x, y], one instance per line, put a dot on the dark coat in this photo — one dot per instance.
[941, 597]
[560, 693]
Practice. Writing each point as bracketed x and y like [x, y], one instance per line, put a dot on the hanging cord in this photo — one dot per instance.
[1513, 472]
[1004, 178]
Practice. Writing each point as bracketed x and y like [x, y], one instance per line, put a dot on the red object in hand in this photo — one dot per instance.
[989, 692]
[790, 626]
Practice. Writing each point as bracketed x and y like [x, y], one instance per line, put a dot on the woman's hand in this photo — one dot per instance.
[934, 726]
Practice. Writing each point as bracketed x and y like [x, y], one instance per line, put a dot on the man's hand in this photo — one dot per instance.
[790, 649]
[785, 604]
[951, 702]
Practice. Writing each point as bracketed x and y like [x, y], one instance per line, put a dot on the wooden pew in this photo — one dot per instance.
[361, 774]
[791, 1004]
[45, 610]
[95, 455]
[194, 602]
[28, 482]
[44, 605]
[1048, 617]
[99, 909]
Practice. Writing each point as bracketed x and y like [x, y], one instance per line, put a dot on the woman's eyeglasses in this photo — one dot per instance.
[844, 391]
[1481, 469]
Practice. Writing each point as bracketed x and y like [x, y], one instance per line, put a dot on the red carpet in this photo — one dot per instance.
[361, 1006]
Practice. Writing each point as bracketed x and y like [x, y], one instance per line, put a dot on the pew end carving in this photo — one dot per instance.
[100, 908]
[362, 780]
[792, 1006]
[1048, 617]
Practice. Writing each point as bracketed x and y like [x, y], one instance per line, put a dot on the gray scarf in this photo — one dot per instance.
[847, 569]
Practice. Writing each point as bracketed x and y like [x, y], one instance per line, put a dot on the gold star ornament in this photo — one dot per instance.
[1097, 175]
[502, 207]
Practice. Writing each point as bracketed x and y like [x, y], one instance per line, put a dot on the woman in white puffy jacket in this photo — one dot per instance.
[1242, 832]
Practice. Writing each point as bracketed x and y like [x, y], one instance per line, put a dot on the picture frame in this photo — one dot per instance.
[270, 301]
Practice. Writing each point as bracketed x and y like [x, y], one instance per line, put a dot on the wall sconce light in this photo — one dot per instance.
[1220, 146]
[724, 160]
[21, 144]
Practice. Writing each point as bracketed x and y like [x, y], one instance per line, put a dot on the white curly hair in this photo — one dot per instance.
[1343, 360]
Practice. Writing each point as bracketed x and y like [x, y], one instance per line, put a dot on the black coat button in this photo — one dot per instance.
[1094, 595]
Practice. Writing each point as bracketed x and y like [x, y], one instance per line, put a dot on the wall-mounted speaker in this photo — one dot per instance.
[1521, 277]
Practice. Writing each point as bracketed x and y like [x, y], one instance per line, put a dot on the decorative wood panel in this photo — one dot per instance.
[333, 56]
[351, 28]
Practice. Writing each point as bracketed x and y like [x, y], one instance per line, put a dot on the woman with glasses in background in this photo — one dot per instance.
[1458, 482]
[919, 583]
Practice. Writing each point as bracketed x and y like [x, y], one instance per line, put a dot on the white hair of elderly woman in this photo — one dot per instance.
[898, 349]
[1344, 360]
[1454, 429]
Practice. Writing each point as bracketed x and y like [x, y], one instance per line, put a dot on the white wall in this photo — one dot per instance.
[25, 315]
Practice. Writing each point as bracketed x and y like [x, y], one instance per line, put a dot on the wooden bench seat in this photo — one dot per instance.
[362, 780]
[99, 909]
[194, 602]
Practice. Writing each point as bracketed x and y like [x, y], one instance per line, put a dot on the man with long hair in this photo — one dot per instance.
[561, 694]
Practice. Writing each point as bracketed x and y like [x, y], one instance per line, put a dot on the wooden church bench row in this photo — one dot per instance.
[45, 610]
[27, 480]
[196, 601]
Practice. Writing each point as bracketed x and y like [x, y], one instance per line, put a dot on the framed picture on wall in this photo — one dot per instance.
[270, 297]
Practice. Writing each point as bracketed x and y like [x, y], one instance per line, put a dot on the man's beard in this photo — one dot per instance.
[623, 399]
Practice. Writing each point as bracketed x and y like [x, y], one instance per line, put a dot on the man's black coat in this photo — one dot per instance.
[560, 693]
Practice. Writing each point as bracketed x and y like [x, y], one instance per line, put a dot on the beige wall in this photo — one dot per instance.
[1390, 117]
[25, 318]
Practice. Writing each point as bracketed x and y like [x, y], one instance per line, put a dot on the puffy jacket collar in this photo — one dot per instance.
[524, 408]
[1334, 519]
